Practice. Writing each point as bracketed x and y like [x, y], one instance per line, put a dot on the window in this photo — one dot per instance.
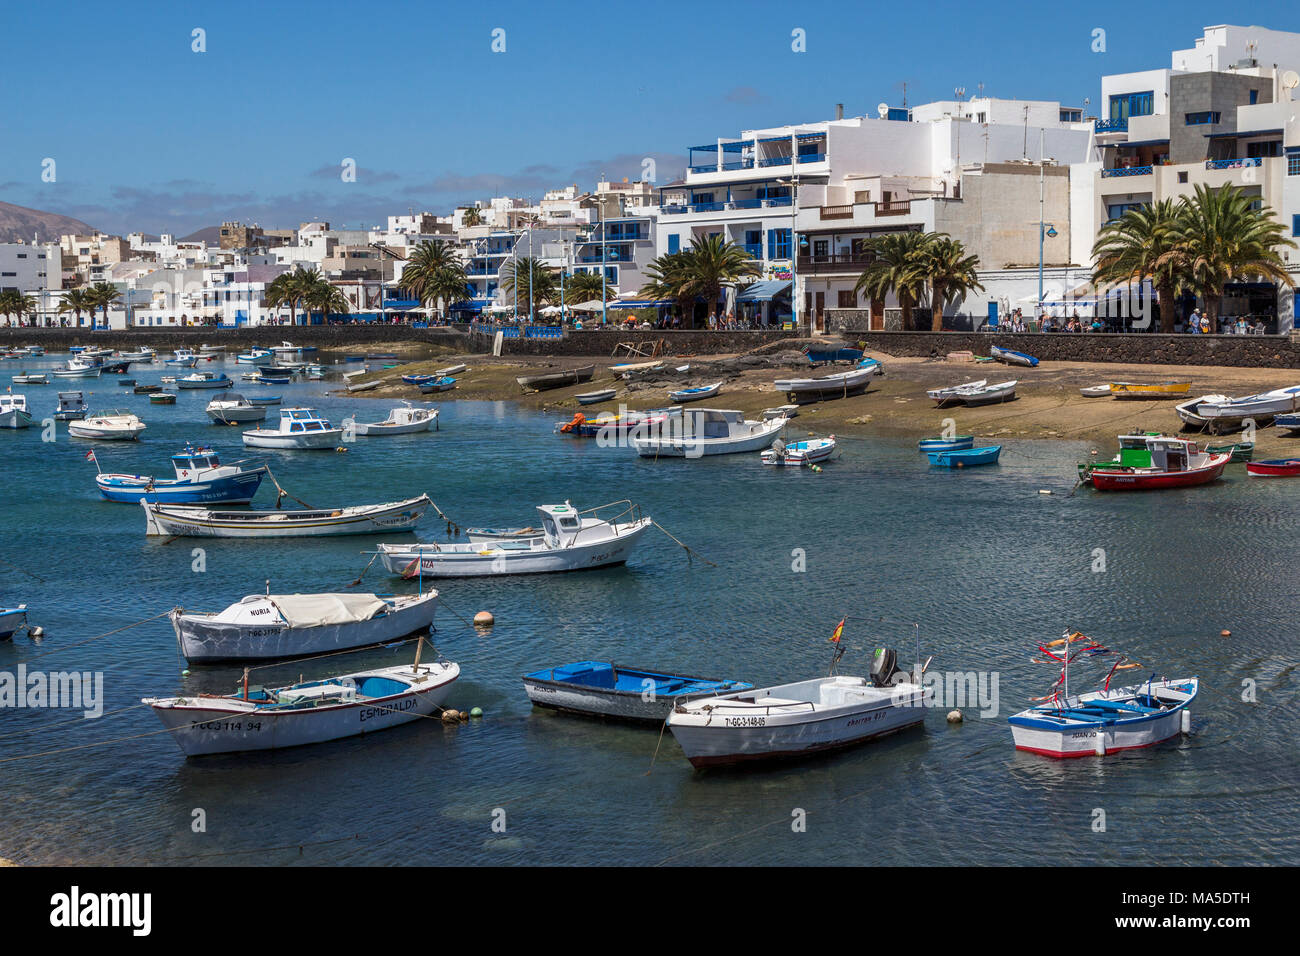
[1182, 177]
[1132, 104]
[674, 243]
[1067, 116]
[1293, 164]
[1203, 118]
[849, 298]
[1295, 225]
[1254, 97]
[778, 243]
[1270, 148]
[22, 255]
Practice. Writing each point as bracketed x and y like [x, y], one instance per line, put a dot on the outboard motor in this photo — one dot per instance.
[885, 671]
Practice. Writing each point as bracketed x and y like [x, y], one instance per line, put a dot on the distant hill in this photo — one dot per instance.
[210, 235]
[19, 222]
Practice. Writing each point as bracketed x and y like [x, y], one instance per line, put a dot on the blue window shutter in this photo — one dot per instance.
[1295, 225]
[771, 243]
[674, 243]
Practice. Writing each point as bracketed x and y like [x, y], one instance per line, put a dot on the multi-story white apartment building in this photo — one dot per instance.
[1222, 114]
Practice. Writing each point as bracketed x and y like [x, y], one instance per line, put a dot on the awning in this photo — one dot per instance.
[764, 291]
[639, 303]
[1244, 133]
[1141, 142]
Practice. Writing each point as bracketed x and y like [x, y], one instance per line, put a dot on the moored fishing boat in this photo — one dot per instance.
[299, 428]
[72, 405]
[571, 540]
[200, 478]
[14, 412]
[114, 425]
[255, 357]
[611, 425]
[798, 719]
[183, 358]
[162, 398]
[1140, 391]
[31, 379]
[307, 712]
[279, 626]
[12, 620]
[234, 409]
[1104, 721]
[939, 443]
[143, 354]
[965, 458]
[952, 394]
[697, 432]
[811, 451]
[77, 369]
[1154, 462]
[390, 518]
[1274, 468]
[1012, 357]
[694, 394]
[205, 380]
[801, 391]
[600, 689]
[550, 380]
[400, 421]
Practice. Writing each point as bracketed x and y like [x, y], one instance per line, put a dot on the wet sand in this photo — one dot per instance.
[1047, 404]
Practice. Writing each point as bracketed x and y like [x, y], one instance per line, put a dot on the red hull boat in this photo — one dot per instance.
[1274, 468]
[1174, 463]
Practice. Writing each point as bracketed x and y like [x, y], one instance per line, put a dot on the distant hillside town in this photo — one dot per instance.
[814, 225]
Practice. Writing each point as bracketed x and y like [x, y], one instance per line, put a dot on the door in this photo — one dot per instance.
[819, 317]
[877, 315]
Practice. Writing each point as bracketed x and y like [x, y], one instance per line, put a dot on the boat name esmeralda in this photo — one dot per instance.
[72, 690]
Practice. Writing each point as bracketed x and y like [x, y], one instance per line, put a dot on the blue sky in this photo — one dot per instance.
[148, 134]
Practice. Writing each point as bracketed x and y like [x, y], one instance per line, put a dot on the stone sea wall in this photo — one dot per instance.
[602, 344]
[320, 336]
[1254, 351]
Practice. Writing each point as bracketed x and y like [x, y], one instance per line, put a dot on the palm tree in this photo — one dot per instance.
[712, 263]
[667, 275]
[290, 288]
[536, 281]
[327, 298]
[77, 301]
[1142, 244]
[14, 304]
[103, 294]
[896, 268]
[1219, 237]
[435, 272]
[950, 273]
[585, 286]
[473, 217]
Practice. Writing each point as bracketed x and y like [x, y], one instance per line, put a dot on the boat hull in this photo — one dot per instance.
[232, 490]
[1274, 468]
[421, 561]
[12, 620]
[198, 522]
[1114, 480]
[329, 438]
[630, 706]
[16, 418]
[1039, 733]
[203, 726]
[960, 443]
[965, 459]
[204, 641]
[683, 447]
[237, 415]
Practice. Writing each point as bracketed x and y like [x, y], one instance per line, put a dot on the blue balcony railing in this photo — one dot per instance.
[812, 157]
[778, 201]
[707, 206]
[709, 168]
[1126, 171]
[745, 204]
[755, 249]
[740, 164]
[1234, 163]
[775, 161]
[1112, 125]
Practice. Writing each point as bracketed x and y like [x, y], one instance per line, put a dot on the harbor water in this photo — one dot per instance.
[977, 565]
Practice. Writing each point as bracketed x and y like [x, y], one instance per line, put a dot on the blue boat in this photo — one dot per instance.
[1012, 357]
[276, 377]
[200, 477]
[601, 689]
[826, 356]
[444, 384]
[419, 379]
[958, 443]
[966, 459]
[263, 400]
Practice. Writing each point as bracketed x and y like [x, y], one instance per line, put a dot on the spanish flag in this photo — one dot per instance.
[839, 632]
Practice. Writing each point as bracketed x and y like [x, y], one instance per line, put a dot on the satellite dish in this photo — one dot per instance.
[882, 110]
[1290, 79]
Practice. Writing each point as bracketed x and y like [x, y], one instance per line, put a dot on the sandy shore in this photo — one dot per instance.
[1048, 404]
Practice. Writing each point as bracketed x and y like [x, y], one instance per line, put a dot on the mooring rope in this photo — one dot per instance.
[116, 630]
[689, 550]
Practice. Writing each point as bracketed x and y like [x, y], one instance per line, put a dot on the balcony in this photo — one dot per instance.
[843, 262]
[1234, 163]
[754, 249]
[812, 157]
[898, 207]
[774, 161]
[739, 164]
[1112, 125]
[1126, 171]
[836, 212]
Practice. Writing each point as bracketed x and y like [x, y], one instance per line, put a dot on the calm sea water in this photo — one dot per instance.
[984, 564]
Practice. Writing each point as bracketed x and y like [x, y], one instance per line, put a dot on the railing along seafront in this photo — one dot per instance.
[519, 331]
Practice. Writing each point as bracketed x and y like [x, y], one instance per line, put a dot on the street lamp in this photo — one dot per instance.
[793, 183]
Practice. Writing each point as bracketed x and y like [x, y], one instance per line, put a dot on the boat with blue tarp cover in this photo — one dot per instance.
[966, 458]
[601, 689]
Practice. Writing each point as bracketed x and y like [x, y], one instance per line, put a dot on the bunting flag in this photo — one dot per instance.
[90, 455]
[839, 632]
[412, 569]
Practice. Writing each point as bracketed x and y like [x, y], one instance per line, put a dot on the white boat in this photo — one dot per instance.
[12, 620]
[298, 428]
[77, 369]
[990, 394]
[143, 354]
[95, 352]
[706, 431]
[571, 540]
[278, 626]
[812, 451]
[838, 385]
[114, 425]
[31, 379]
[390, 518]
[211, 349]
[14, 412]
[234, 409]
[305, 713]
[952, 395]
[34, 349]
[72, 405]
[400, 421]
[205, 380]
[798, 719]
[185, 358]
[780, 411]
[694, 394]
[290, 352]
[255, 357]
[1264, 405]
[633, 369]
[596, 397]
[1095, 391]
[1188, 411]
[450, 370]
[366, 386]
